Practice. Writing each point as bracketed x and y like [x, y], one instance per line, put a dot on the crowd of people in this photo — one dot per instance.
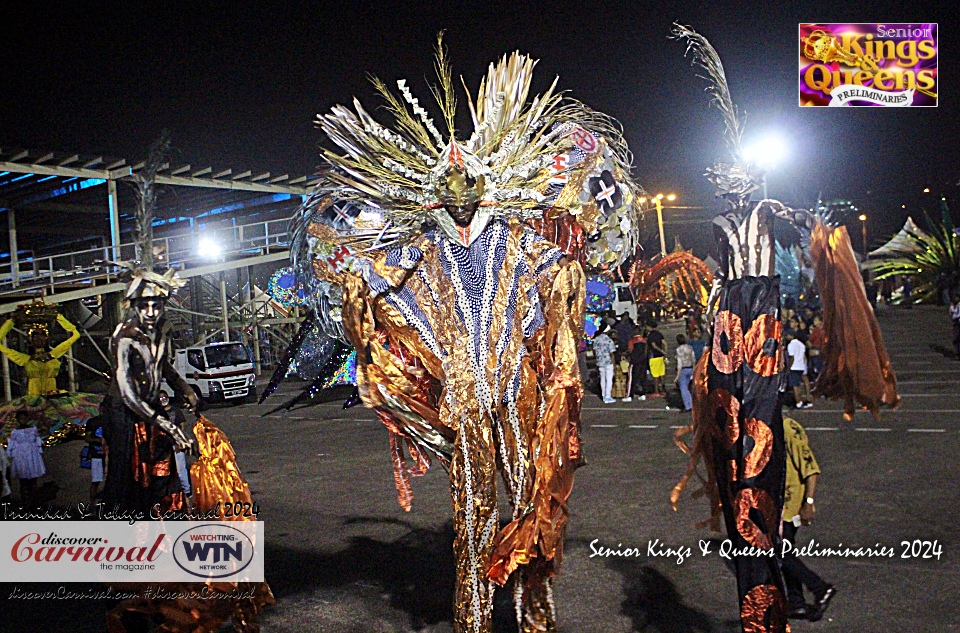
[632, 359]
[22, 461]
[631, 356]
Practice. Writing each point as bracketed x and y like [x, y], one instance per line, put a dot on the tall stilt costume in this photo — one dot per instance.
[141, 471]
[738, 426]
[465, 319]
[58, 415]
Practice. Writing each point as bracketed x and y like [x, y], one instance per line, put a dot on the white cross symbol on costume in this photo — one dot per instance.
[343, 215]
[606, 193]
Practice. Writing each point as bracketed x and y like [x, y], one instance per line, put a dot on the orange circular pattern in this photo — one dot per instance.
[727, 325]
[759, 456]
[764, 333]
[746, 500]
[723, 399]
[754, 615]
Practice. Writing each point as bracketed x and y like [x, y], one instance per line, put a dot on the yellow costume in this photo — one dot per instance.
[58, 415]
[41, 374]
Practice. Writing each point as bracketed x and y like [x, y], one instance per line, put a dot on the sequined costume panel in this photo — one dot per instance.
[468, 354]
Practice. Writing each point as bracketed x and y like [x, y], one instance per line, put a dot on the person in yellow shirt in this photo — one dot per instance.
[58, 414]
[798, 509]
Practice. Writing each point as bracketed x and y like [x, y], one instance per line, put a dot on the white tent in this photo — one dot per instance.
[901, 242]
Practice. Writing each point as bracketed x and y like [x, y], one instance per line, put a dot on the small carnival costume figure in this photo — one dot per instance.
[58, 415]
[429, 253]
[141, 469]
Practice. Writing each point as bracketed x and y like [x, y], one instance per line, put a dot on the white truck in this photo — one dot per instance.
[218, 372]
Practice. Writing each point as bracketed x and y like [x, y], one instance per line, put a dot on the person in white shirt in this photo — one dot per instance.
[603, 348]
[797, 379]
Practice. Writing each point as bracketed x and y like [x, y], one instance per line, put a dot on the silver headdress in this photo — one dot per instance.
[143, 283]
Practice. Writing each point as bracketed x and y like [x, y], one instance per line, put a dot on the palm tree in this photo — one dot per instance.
[931, 259]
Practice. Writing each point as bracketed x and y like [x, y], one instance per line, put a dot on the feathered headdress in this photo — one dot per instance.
[738, 178]
[525, 157]
[143, 283]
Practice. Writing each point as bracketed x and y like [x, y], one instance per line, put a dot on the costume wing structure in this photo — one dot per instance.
[680, 278]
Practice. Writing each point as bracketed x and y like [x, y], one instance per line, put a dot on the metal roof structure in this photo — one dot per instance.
[60, 201]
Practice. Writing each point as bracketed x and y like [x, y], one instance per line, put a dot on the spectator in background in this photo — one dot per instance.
[697, 343]
[886, 290]
[907, 293]
[798, 509]
[798, 380]
[96, 447]
[657, 351]
[955, 317]
[815, 341]
[25, 450]
[685, 362]
[639, 362]
[175, 415]
[604, 349]
[624, 329]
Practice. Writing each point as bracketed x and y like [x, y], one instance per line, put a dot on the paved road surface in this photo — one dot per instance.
[343, 558]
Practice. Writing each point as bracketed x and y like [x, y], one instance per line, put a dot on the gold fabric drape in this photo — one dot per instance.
[216, 479]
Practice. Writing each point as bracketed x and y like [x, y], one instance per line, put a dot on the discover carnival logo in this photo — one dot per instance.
[117, 551]
[868, 65]
[213, 550]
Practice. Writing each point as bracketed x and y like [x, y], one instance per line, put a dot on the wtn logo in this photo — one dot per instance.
[202, 551]
[213, 550]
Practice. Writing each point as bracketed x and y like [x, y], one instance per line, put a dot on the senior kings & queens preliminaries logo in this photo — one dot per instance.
[868, 65]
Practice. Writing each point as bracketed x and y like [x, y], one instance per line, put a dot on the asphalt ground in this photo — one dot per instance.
[342, 557]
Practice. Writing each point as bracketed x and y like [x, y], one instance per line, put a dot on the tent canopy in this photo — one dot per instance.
[902, 242]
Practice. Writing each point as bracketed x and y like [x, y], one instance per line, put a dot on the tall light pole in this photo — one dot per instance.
[863, 228]
[657, 200]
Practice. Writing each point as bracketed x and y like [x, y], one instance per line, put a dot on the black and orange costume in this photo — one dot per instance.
[738, 426]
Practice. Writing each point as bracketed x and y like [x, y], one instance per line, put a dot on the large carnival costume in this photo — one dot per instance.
[58, 415]
[140, 438]
[418, 247]
[738, 426]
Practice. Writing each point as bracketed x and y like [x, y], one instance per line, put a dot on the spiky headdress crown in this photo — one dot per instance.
[36, 317]
[403, 173]
[143, 283]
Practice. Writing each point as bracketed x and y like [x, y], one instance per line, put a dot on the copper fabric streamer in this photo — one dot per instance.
[856, 365]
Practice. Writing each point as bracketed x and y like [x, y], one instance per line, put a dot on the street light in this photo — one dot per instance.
[863, 227]
[765, 153]
[657, 200]
[208, 249]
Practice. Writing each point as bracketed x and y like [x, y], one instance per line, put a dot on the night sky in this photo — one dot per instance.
[239, 86]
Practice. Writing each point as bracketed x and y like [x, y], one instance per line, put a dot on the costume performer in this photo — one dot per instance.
[217, 480]
[141, 469]
[738, 426]
[465, 319]
[58, 415]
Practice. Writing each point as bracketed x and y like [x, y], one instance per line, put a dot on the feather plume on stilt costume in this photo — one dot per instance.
[736, 384]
